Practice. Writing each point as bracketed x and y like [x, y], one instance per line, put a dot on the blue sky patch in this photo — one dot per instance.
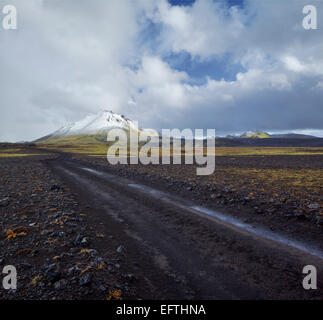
[199, 70]
[230, 3]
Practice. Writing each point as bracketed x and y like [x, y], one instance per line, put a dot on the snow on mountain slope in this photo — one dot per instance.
[95, 123]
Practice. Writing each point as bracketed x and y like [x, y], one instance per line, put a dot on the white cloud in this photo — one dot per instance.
[293, 64]
[68, 58]
[206, 28]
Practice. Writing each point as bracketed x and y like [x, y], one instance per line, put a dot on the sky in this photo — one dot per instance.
[228, 65]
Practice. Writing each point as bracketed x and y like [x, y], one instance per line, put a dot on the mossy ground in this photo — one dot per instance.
[10, 151]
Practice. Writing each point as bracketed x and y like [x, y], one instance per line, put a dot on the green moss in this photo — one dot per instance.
[13, 155]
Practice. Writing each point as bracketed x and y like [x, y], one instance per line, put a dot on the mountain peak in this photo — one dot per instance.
[94, 123]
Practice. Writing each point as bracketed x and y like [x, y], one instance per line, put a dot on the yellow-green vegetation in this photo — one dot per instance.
[7, 151]
[263, 135]
[100, 149]
[95, 144]
[95, 149]
[257, 135]
[12, 155]
[248, 151]
[95, 139]
[303, 185]
[10, 150]
[261, 151]
[79, 144]
[295, 179]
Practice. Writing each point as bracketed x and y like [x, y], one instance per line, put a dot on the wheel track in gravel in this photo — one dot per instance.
[202, 257]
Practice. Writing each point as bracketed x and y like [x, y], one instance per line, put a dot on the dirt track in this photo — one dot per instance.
[181, 254]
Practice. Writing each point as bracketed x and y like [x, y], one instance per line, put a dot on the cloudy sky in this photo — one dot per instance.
[232, 65]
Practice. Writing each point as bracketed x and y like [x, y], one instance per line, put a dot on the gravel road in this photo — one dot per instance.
[178, 252]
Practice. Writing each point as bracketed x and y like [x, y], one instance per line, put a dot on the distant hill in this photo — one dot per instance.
[255, 135]
[292, 136]
[265, 135]
[269, 142]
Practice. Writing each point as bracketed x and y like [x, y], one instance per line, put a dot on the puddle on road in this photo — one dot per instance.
[260, 232]
[147, 189]
[93, 171]
[266, 234]
[239, 224]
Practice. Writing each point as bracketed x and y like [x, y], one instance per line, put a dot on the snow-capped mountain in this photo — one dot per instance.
[93, 124]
